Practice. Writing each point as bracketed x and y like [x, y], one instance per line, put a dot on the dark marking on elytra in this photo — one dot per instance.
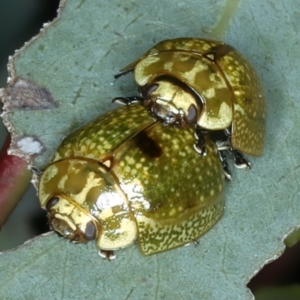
[147, 145]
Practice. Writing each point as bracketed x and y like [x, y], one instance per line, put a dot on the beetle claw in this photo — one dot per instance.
[239, 160]
[199, 146]
[200, 149]
[195, 242]
[128, 100]
[108, 255]
[227, 174]
[224, 162]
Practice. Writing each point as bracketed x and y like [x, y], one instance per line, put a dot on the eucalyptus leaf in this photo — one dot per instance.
[71, 66]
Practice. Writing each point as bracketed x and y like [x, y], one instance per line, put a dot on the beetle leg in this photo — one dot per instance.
[106, 254]
[128, 100]
[195, 242]
[239, 160]
[36, 171]
[224, 162]
[199, 146]
[223, 146]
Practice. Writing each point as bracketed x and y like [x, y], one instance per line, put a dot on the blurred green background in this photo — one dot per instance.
[20, 20]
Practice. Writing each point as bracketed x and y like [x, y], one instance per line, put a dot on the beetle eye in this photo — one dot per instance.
[51, 202]
[191, 117]
[147, 90]
[90, 231]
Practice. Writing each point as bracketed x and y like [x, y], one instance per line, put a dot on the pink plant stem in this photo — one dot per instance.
[14, 180]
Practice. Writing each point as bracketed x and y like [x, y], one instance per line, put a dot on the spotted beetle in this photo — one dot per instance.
[207, 85]
[126, 177]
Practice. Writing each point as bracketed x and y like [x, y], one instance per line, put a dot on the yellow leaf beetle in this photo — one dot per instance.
[127, 177]
[208, 85]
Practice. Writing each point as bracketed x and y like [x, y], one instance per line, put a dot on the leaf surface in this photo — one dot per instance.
[73, 61]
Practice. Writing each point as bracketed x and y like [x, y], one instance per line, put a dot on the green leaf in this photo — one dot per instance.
[71, 64]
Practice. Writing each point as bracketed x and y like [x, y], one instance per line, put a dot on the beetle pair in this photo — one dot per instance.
[128, 176]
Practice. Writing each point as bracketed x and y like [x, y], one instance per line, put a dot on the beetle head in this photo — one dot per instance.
[68, 190]
[172, 101]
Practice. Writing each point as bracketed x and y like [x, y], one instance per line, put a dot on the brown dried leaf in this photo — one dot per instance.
[23, 94]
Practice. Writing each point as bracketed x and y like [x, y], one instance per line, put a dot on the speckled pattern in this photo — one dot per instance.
[249, 122]
[98, 138]
[228, 88]
[133, 178]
